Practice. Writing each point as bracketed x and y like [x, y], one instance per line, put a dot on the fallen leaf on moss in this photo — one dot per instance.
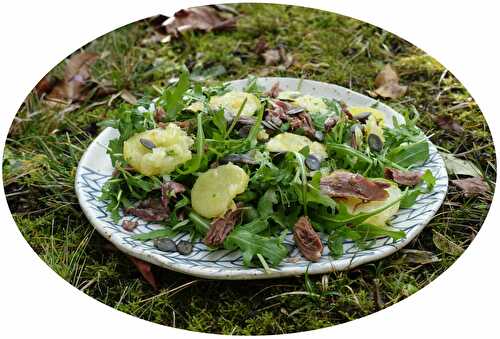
[203, 18]
[472, 186]
[271, 57]
[419, 257]
[446, 245]
[145, 269]
[45, 85]
[387, 84]
[275, 56]
[74, 86]
[448, 123]
[458, 166]
[128, 97]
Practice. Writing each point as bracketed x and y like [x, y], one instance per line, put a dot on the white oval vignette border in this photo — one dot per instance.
[447, 307]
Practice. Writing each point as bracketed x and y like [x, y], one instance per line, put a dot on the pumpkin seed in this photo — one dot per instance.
[375, 142]
[312, 162]
[165, 245]
[147, 143]
[294, 111]
[184, 247]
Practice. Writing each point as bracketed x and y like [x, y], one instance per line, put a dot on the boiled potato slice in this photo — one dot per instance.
[379, 115]
[232, 102]
[171, 148]
[355, 205]
[311, 104]
[289, 142]
[289, 95]
[213, 192]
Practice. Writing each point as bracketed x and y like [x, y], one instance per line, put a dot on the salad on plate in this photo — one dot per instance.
[242, 169]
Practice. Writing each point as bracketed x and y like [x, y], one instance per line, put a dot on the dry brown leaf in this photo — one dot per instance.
[386, 75]
[76, 74]
[203, 18]
[448, 123]
[271, 57]
[412, 256]
[45, 85]
[387, 84]
[128, 97]
[145, 269]
[274, 56]
[446, 245]
[472, 186]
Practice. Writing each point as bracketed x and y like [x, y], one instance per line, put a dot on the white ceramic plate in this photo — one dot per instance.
[95, 169]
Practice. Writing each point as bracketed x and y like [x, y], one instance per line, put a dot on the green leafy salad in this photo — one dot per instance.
[242, 169]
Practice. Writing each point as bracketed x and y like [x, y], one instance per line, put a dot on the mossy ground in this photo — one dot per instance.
[45, 145]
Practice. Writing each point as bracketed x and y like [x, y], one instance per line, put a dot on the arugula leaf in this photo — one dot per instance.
[163, 233]
[252, 244]
[124, 185]
[266, 202]
[201, 224]
[369, 231]
[172, 96]
[220, 121]
[252, 135]
[343, 217]
[410, 155]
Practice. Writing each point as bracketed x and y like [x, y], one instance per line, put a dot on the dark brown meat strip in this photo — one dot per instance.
[150, 209]
[405, 178]
[221, 227]
[307, 240]
[344, 184]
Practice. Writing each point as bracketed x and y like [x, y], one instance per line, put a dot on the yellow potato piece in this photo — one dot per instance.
[289, 142]
[379, 115]
[311, 104]
[172, 148]
[232, 102]
[213, 192]
[355, 205]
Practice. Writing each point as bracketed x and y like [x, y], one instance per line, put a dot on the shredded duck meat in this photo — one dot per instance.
[150, 209]
[221, 227]
[405, 178]
[156, 209]
[170, 189]
[344, 184]
[307, 240]
[275, 90]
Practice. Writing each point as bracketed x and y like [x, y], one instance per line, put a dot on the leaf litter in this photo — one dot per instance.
[74, 86]
[387, 84]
